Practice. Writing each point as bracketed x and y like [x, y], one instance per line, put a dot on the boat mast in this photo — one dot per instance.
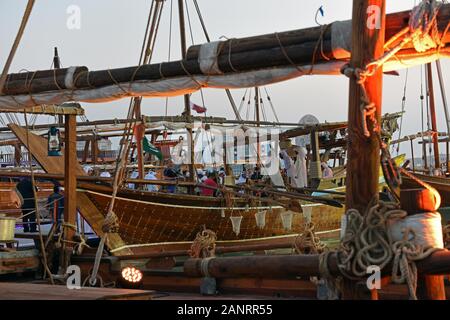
[187, 106]
[258, 146]
[364, 152]
[430, 91]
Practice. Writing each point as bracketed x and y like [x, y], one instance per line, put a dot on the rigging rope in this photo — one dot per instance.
[38, 218]
[403, 112]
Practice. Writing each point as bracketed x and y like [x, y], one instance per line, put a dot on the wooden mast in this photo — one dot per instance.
[364, 152]
[430, 91]
[258, 145]
[187, 105]
[368, 34]
[70, 182]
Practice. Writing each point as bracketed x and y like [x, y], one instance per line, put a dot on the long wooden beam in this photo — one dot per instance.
[291, 266]
[268, 53]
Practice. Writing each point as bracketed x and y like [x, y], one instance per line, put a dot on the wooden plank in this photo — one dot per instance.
[63, 109]
[38, 147]
[29, 291]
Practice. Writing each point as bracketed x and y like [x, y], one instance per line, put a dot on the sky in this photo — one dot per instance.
[111, 32]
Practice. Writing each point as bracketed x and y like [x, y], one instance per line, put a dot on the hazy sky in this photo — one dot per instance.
[111, 36]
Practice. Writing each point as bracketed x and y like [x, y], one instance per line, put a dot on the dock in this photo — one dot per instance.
[31, 291]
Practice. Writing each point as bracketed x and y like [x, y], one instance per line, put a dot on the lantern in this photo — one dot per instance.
[54, 145]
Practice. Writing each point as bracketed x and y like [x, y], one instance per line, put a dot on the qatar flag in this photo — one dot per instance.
[197, 108]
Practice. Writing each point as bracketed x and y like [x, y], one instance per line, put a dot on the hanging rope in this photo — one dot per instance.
[403, 111]
[111, 222]
[38, 217]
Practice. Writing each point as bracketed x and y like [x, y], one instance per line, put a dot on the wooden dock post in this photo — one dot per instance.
[368, 30]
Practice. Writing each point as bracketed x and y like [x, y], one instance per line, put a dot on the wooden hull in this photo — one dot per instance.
[145, 222]
[441, 184]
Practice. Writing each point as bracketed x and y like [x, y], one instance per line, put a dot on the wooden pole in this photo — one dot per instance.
[70, 183]
[187, 104]
[364, 152]
[368, 33]
[257, 116]
[412, 155]
[433, 115]
[57, 65]
[431, 287]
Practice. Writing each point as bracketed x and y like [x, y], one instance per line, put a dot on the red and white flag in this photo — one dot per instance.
[197, 108]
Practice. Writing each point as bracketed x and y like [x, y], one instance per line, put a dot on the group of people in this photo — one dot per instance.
[55, 205]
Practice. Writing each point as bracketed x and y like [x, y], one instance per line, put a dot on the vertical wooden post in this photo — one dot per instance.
[364, 152]
[70, 178]
[314, 164]
[412, 155]
[447, 154]
[433, 116]
[17, 154]
[258, 145]
[368, 29]
[86, 151]
[187, 104]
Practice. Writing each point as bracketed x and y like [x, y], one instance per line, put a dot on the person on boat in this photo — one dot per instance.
[301, 178]
[210, 181]
[256, 174]
[170, 174]
[134, 175]
[326, 171]
[222, 176]
[151, 175]
[25, 188]
[289, 166]
[55, 203]
[242, 178]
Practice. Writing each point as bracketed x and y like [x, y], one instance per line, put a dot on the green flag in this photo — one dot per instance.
[148, 147]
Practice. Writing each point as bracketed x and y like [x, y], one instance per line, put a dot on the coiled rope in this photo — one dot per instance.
[307, 242]
[368, 242]
[204, 245]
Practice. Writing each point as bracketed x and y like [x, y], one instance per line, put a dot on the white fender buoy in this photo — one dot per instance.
[260, 217]
[236, 223]
[426, 226]
[286, 219]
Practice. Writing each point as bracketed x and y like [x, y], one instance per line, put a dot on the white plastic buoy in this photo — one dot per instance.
[307, 213]
[261, 219]
[222, 213]
[427, 228]
[286, 219]
[236, 222]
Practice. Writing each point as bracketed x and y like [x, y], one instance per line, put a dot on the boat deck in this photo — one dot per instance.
[31, 291]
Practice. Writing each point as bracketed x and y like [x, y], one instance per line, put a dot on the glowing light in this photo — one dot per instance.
[131, 274]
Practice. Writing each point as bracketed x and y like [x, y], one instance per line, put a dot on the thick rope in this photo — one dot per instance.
[307, 242]
[367, 242]
[204, 245]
